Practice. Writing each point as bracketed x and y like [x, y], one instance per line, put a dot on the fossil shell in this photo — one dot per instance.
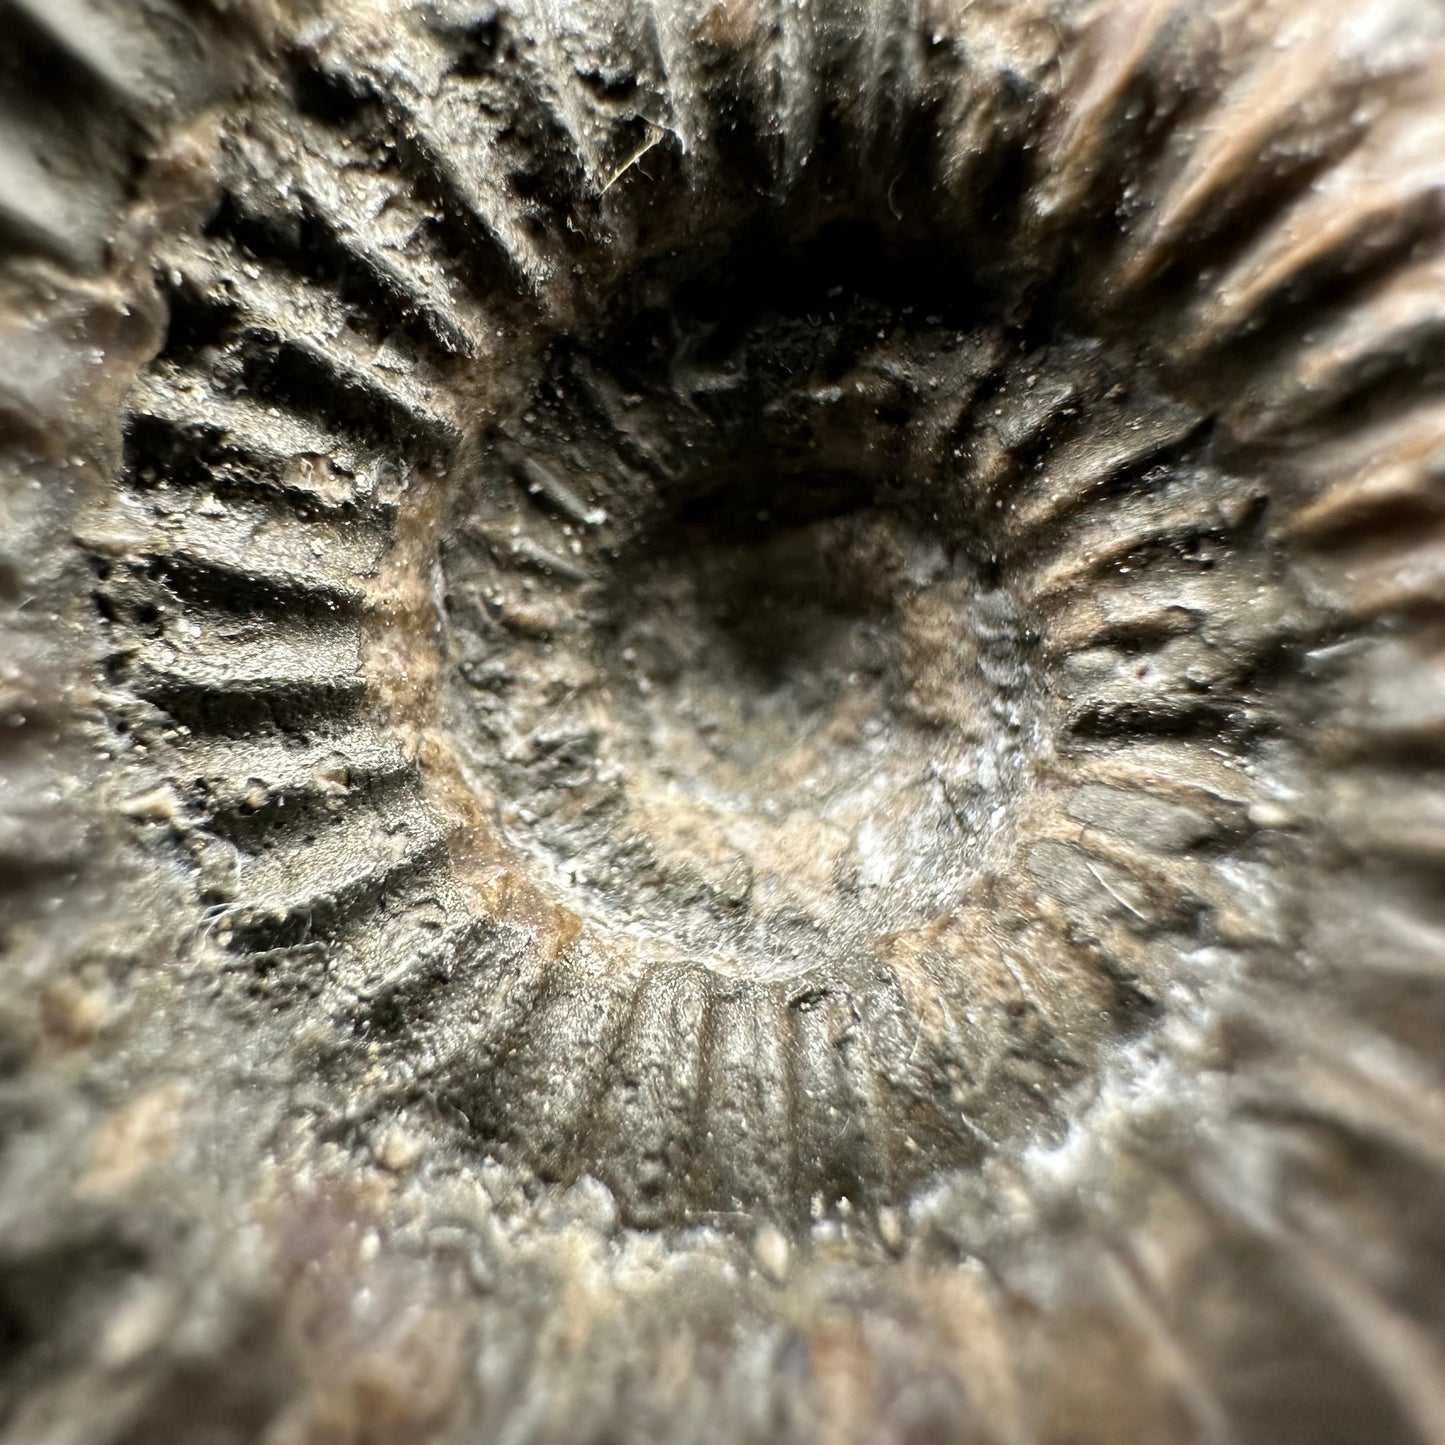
[723, 721]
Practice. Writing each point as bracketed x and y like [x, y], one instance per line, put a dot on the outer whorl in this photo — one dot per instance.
[722, 721]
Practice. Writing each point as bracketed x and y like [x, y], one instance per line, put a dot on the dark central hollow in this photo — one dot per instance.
[769, 733]
[750, 620]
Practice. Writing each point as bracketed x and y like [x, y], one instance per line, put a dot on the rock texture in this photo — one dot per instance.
[722, 721]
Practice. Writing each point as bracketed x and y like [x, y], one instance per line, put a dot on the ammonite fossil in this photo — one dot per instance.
[722, 721]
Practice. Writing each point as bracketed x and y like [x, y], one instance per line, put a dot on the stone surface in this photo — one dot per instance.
[721, 721]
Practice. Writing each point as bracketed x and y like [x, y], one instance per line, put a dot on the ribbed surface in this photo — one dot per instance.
[316, 357]
[1117, 384]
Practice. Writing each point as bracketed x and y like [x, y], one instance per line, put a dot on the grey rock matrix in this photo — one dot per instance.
[722, 720]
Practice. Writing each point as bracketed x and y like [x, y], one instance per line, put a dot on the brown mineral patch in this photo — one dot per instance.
[730, 24]
[135, 1139]
[73, 1014]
